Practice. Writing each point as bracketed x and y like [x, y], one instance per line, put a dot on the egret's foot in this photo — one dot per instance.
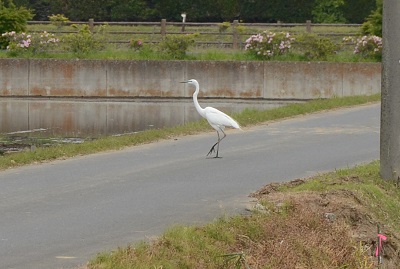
[211, 150]
[215, 157]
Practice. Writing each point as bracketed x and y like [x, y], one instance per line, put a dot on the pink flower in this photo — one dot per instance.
[26, 43]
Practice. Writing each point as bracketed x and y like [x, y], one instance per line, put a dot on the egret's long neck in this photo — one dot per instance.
[196, 103]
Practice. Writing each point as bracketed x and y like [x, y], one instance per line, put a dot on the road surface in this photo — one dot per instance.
[60, 214]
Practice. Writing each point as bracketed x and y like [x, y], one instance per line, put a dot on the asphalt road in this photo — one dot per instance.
[60, 214]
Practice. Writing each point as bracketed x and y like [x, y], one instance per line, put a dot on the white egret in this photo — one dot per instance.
[217, 119]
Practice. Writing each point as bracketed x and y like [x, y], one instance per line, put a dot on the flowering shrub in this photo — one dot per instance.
[34, 43]
[366, 46]
[135, 44]
[268, 44]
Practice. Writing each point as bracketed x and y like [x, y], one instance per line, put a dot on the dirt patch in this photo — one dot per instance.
[13, 147]
[339, 206]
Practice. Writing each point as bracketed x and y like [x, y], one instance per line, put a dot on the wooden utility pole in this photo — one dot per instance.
[91, 25]
[235, 39]
[163, 28]
[390, 110]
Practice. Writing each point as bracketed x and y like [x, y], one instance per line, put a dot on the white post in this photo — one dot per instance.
[183, 22]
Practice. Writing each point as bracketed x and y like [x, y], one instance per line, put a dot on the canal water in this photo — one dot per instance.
[80, 118]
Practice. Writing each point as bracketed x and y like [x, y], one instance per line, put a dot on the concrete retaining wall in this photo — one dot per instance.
[218, 79]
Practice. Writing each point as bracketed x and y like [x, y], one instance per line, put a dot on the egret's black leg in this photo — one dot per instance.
[217, 144]
[213, 147]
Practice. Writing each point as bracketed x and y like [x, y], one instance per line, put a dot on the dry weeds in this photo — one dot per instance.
[325, 225]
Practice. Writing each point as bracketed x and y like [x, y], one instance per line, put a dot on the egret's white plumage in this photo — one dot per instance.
[217, 119]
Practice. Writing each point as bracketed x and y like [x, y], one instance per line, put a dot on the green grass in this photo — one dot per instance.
[151, 52]
[247, 117]
[293, 238]
[200, 51]
[251, 116]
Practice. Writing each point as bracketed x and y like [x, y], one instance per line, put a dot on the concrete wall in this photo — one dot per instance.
[218, 79]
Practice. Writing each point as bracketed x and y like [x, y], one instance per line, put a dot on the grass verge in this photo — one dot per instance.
[292, 231]
[245, 118]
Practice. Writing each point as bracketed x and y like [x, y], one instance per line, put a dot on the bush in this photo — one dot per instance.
[29, 44]
[315, 47]
[84, 41]
[222, 27]
[368, 47]
[135, 44]
[268, 44]
[12, 19]
[176, 46]
[58, 20]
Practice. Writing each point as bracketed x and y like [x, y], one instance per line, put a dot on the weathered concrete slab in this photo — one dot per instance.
[14, 77]
[218, 79]
[302, 80]
[67, 77]
[361, 78]
[144, 78]
[227, 79]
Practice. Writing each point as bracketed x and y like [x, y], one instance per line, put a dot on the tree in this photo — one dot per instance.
[373, 24]
[196, 10]
[128, 10]
[328, 11]
[351, 11]
[171, 9]
[357, 11]
[257, 10]
[44, 8]
[293, 11]
[83, 10]
[229, 9]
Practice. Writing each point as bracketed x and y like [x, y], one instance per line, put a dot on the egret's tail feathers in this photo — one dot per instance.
[236, 125]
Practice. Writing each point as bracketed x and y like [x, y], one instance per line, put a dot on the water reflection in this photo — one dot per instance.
[93, 118]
